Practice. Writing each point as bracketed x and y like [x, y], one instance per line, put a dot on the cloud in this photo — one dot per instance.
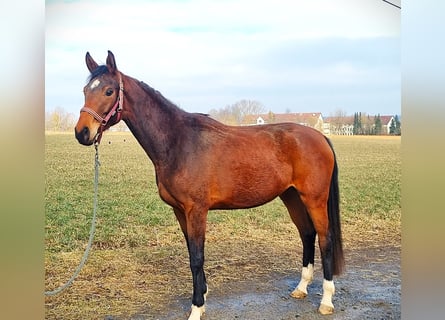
[205, 54]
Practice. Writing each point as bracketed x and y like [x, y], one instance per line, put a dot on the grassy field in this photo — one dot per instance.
[139, 256]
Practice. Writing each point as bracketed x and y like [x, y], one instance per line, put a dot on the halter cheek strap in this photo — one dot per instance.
[115, 110]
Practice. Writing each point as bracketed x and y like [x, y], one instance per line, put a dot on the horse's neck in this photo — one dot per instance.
[152, 120]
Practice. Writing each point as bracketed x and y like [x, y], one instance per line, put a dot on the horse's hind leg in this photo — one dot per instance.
[320, 219]
[301, 219]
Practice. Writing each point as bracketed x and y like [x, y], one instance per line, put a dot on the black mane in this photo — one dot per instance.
[100, 70]
[103, 69]
[157, 95]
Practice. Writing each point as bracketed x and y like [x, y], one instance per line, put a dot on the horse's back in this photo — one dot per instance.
[248, 166]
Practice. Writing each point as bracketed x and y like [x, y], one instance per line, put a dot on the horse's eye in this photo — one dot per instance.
[109, 92]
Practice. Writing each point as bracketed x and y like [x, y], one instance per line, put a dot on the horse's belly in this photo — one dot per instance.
[251, 192]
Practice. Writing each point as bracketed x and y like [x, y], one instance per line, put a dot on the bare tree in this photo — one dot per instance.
[224, 115]
[59, 120]
[339, 115]
[235, 113]
[338, 118]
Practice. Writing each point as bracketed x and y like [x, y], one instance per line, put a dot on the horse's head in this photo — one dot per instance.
[103, 100]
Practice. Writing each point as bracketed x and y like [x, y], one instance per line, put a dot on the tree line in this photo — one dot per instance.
[366, 125]
[59, 120]
[363, 124]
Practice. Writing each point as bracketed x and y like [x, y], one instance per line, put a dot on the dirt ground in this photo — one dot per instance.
[370, 288]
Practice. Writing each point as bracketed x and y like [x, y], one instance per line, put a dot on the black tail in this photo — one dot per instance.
[338, 260]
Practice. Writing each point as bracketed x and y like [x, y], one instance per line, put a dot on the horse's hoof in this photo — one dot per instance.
[298, 294]
[196, 312]
[324, 309]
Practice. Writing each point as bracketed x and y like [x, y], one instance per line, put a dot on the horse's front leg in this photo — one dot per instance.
[196, 226]
[196, 251]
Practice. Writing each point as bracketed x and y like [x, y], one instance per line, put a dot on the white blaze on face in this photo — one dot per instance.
[94, 84]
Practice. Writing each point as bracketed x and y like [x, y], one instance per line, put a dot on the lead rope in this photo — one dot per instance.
[93, 228]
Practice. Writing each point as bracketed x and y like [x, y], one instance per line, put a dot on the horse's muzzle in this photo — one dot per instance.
[83, 136]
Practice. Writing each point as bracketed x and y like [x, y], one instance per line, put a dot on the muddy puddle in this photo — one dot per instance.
[370, 288]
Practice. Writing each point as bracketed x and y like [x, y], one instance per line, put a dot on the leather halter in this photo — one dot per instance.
[115, 110]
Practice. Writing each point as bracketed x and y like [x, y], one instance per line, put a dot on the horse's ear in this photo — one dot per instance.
[111, 62]
[91, 64]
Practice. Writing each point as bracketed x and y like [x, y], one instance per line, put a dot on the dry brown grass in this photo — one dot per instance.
[140, 262]
[125, 281]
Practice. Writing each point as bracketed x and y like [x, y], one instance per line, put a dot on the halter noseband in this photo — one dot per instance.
[116, 110]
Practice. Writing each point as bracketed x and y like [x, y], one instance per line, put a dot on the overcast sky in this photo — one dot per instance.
[298, 56]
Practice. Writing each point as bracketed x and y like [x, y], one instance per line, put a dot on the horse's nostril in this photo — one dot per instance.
[83, 136]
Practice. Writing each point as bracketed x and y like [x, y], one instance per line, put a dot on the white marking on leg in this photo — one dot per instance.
[197, 312]
[94, 84]
[307, 274]
[205, 294]
[326, 306]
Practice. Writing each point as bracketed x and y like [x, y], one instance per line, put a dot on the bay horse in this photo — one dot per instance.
[202, 164]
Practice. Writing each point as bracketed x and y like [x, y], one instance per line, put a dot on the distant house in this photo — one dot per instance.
[313, 119]
[340, 126]
[343, 126]
[386, 123]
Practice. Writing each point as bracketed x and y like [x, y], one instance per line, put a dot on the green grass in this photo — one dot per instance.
[139, 259]
[128, 199]
[130, 211]
[370, 176]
